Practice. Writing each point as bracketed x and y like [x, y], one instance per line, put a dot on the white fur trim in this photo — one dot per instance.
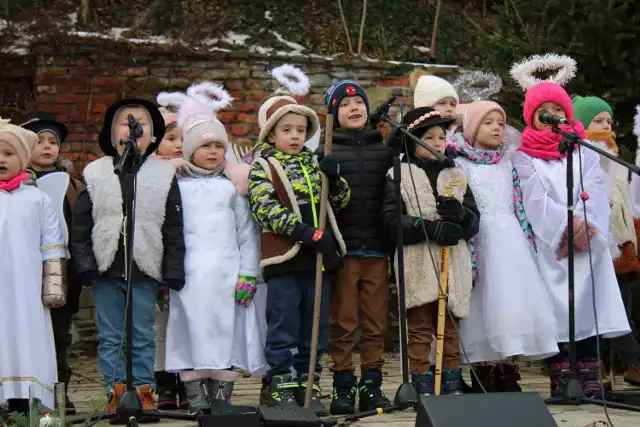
[294, 80]
[522, 72]
[421, 273]
[210, 94]
[154, 181]
[175, 99]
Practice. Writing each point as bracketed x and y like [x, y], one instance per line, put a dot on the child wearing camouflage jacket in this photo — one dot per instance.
[284, 196]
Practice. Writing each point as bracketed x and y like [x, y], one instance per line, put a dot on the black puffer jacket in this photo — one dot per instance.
[172, 240]
[364, 161]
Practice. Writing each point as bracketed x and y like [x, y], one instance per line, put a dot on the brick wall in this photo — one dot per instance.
[78, 80]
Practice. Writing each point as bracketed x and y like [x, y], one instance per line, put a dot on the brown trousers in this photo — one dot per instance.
[421, 323]
[359, 297]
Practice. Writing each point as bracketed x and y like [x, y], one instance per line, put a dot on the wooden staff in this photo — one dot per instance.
[324, 199]
[442, 308]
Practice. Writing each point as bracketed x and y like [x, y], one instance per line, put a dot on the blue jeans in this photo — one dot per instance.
[109, 297]
[290, 322]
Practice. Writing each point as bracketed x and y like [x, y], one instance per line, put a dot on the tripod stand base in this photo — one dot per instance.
[406, 396]
[573, 395]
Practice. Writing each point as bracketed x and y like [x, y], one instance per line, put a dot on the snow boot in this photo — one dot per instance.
[370, 393]
[220, 392]
[166, 390]
[345, 387]
[197, 397]
[485, 379]
[423, 383]
[506, 378]
[279, 392]
[559, 374]
[451, 381]
[316, 404]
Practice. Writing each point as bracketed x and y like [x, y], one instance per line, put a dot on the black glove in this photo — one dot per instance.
[442, 232]
[88, 277]
[394, 141]
[450, 209]
[175, 284]
[314, 237]
[331, 167]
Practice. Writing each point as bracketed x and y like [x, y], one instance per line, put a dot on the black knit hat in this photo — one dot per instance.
[39, 121]
[157, 125]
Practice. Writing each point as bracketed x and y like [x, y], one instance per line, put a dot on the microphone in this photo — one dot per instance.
[551, 119]
[382, 109]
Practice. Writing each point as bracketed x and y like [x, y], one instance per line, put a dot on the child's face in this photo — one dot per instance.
[9, 161]
[121, 127]
[490, 132]
[171, 144]
[446, 107]
[352, 113]
[434, 138]
[209, 156]
[46, 152]
[602, 121]
[290, 133]
[551, 107]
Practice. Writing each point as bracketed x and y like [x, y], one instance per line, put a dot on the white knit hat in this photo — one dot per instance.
[197, 115]
[294, 82]
[431, 89]
[22, 140]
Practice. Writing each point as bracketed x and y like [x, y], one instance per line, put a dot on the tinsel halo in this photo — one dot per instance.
[522, 72]
[477, 85]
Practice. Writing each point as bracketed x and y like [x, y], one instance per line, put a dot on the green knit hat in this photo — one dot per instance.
[587, 107]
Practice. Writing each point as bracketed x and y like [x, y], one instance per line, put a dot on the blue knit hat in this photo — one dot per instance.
[341, 89]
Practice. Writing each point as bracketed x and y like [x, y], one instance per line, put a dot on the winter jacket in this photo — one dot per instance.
[96, 239]
[364, 161]
[284, 183]
[74, 287]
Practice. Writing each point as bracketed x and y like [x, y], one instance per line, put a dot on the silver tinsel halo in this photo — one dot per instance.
[477, 85]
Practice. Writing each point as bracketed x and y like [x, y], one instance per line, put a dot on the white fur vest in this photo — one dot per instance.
[154, 181]
[421, 273]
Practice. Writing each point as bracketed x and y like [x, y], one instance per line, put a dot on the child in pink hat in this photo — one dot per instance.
[542, 171]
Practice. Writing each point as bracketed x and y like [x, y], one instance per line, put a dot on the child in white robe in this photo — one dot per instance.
[34, 251]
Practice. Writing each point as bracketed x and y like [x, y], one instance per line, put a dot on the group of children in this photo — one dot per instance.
[224, 254]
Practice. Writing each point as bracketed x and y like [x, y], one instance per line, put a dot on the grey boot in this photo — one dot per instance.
[196, 396]
[220, 392]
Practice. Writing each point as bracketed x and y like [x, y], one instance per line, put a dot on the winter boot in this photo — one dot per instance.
[632, 375]
[197, 397]
[114, 395]
[166, 390]
[370, 394]
[345, 387]
[559, 374]
[506, 378]
[183, 403]
[279, 392]
[148, 401]
[220, 392]
[590, 377]
[451, 381]
[423, 383]
[485, 379]
[316, 404]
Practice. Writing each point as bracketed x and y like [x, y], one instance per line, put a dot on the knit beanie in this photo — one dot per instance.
[201, 130]
[546, 92]
[474, 114]
[41, 121]
[276, 107]
[22, 140]
[431, 89]
[338, 91]
[588, 107]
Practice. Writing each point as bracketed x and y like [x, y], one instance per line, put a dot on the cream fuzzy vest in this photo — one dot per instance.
[421, 273]
[154, 181]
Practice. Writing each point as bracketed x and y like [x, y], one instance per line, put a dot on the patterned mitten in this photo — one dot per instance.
[245, 290]
[162, 298]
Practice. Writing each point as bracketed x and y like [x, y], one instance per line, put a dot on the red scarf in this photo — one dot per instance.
[14, 182]
[543, 144]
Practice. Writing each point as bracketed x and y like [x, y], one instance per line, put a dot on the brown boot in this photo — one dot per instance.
[148, 401]
[632, 376]
[114, 395]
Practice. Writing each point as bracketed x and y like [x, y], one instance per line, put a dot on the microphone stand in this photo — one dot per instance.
[574, 394]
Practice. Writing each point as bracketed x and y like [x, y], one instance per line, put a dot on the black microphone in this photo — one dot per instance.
[135, 129]
[382, 109]
[551, 119]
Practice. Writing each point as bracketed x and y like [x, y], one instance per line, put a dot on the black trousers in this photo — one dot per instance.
[626, 347]
[61, 322]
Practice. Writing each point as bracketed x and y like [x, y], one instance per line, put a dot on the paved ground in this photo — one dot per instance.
[86, 392]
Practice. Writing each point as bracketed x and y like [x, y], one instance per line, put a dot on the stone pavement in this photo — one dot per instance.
[86, 392]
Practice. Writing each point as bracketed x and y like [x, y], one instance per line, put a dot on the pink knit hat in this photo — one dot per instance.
[546, 92]
[168, 116]
[473, 115]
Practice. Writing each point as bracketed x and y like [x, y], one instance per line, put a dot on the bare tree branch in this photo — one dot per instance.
[364, 17]
[346, 29]
[435, 29]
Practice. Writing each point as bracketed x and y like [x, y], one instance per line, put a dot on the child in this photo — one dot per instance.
[448, 221]
[510, 312]
[435, 92]
[169, 385]
[158, 248]
[542, 171]
[597, 117]
[284, 196]
[27, 268]
[44, 160]
[213, 325]
[359, 296]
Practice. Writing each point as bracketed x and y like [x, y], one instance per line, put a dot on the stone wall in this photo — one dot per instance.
[78, 79]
